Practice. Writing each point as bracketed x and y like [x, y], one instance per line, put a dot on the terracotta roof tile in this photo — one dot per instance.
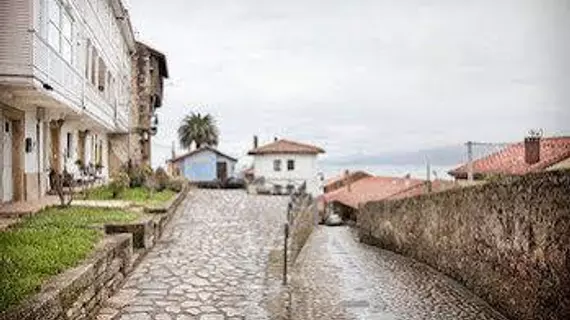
[340, 180]
[417, 190]
[511, 159]
[286, 146]
[371, 189]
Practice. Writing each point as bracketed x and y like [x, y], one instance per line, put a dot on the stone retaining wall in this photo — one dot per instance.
[148, 230]
[507, 241]
[303, 219]
[77, 293]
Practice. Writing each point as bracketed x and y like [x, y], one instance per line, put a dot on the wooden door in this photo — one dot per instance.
[222, 169]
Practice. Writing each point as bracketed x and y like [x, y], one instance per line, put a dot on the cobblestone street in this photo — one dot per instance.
[210, 264]
[337, 277]
[215, 262]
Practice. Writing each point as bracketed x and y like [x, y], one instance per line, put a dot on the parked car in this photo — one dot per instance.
[333, 220]
[235, 183]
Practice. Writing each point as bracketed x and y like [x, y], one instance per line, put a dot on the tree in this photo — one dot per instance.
[202, 130]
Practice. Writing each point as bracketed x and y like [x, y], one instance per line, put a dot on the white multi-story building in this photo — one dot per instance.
[284, 165]
[65, 88]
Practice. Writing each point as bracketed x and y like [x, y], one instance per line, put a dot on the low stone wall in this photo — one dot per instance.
[507, 241]
[78, 292]
[148, 230]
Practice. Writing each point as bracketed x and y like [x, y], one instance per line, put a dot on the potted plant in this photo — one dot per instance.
[99, 168]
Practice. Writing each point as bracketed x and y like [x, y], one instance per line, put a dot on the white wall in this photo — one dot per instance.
[25, 27]
[31, 164]
[69, 162]
[305, 170]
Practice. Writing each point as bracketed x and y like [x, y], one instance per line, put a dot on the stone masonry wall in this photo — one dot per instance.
[507, 241]
[302, 221]
[78, 293]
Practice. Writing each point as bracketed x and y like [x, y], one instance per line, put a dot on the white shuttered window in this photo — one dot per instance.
[60, 30]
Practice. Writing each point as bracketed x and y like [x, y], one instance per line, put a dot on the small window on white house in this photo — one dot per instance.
[66, 37]
[60, 30]
[277, 165]
[54, 14]
[87, 59]
[102, 73]
[290, 165]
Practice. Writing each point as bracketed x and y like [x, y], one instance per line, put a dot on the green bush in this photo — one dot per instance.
[138, 175]
[176, 184]
[119, 184]
[161, 179]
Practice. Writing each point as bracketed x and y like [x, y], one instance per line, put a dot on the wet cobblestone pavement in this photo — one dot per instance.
[211, 263]
[337, 277]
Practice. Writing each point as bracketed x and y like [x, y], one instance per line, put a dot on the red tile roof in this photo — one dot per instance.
[339, 181]
[371, 189]
[511, 159]
[286, 147]
[436, 186]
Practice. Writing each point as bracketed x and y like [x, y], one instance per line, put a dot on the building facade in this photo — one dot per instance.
[533, 154]
[205, 164]
[149, 71]
[284, 165]
[65, 89]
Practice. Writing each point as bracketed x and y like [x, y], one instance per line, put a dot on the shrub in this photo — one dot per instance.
[176, 184]
[138, 175]
[161, 179]
[119, 183]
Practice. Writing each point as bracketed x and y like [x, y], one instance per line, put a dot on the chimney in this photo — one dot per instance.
[347, 181]
[532, 150]
[275, 139]
[255, 142]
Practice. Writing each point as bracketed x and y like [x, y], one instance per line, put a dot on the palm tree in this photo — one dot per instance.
[202, 130]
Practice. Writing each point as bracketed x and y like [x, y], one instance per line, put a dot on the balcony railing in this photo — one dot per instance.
[51, 68]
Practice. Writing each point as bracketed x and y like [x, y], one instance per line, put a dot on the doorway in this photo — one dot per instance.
[222, 171]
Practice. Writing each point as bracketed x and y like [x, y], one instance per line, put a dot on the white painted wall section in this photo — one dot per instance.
[305, 170]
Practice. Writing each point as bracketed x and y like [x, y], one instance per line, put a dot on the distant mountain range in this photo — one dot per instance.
[441, 156]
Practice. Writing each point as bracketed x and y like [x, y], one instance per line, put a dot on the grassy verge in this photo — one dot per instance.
[142, 196]
[47, 244]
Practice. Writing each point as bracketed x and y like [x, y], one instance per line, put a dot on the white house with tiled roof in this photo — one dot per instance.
[285, 164]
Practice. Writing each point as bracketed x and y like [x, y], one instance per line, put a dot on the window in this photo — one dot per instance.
[277, 165]
[88, 59]
[290, 165]
[60, 30]
[101, 81]
[94, 59]
[69, 145]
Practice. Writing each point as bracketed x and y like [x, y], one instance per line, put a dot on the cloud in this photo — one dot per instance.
[366, 77]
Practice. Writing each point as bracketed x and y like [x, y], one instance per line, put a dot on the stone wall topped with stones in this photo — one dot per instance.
[507, 241]
[78, 293]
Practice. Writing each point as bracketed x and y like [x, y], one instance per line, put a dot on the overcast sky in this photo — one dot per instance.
[362, 76]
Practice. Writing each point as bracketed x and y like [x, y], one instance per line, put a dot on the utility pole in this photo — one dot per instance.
[173, 150]
[470, 161]
[428, 174]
